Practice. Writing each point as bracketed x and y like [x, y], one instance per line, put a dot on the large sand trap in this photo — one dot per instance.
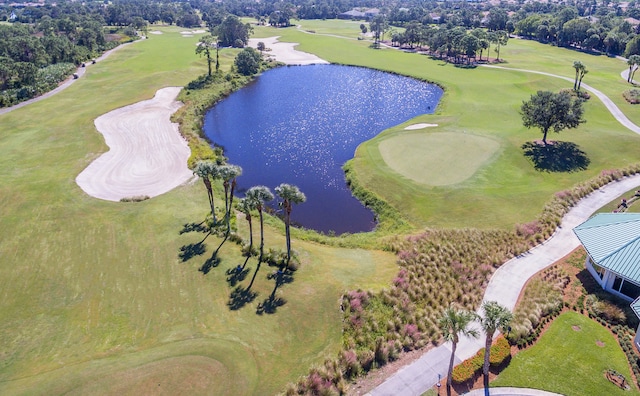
[147, 155]
[285, 52]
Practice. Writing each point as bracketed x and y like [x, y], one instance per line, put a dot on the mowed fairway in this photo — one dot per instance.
[506, 189]
[94, 296]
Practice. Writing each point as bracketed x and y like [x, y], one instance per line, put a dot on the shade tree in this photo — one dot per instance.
[248, 61]
[552, 111]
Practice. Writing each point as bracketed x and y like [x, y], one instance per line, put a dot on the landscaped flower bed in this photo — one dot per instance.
[632, 96]
[472, 367]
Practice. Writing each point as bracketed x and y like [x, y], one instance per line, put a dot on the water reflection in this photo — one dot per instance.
[300, 124]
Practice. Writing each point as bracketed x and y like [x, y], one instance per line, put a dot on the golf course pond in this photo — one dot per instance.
[300, 124]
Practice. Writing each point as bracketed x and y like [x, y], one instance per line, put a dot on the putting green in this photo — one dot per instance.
[437, 159]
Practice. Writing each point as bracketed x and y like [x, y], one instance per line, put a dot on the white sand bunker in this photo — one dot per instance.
[147, 155]
[155, 32]
[285, 52]
[420, 126]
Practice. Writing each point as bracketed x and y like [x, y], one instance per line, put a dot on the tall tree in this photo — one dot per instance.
[453, 323]
[259, 195]
[246, 205]
[290, 195]
[232, 32]
[208, 171]
[228, 173]
[547, 110]
[378, 26]
[501, 38]
[581, 70]
[494, 317]
[204, 47]
[633, 62]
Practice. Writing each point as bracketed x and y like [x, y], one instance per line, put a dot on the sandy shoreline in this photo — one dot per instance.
[147, 155]
[286, 52]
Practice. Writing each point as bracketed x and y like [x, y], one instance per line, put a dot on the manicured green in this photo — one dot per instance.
[95, 298]
[567, 360]
[485, 102]
[426, 158]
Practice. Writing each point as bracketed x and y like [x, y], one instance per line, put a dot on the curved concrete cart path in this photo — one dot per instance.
[147, 155]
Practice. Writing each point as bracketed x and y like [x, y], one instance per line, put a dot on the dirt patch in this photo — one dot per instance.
[576, 328]
[600, 343]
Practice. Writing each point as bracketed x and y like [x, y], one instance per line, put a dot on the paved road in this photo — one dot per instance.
[507, 282]
[66, 84]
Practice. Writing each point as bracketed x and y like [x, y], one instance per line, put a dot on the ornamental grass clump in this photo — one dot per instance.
[542, 300]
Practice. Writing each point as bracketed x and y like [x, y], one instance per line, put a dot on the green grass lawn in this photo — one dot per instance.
[485, 103]
[567, 360]
[94, 296]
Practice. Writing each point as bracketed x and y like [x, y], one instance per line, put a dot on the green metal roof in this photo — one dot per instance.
[612, 240]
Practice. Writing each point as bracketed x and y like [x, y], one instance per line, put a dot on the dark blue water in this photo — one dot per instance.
[300, 124]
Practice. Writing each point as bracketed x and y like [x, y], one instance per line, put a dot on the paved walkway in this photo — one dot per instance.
[66, 84]
[507, 282]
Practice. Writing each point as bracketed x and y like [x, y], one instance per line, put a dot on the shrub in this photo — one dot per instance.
[632, 96]
[468, 369]
[500, 352]
[472, 367]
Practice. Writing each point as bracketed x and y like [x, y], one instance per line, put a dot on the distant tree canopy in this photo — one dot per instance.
[232, 32]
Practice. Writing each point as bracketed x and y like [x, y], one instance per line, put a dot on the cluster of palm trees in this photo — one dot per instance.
[581, 71]
[634, 63]
[456, 322]
[255, 198]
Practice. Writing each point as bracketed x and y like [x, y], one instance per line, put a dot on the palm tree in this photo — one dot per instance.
[290, 195]
[494, 317]
[633, 62]
[259, 195]
[228, 174]
[581, 70]
[208, 171]
[452, 323]
[246, 205]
